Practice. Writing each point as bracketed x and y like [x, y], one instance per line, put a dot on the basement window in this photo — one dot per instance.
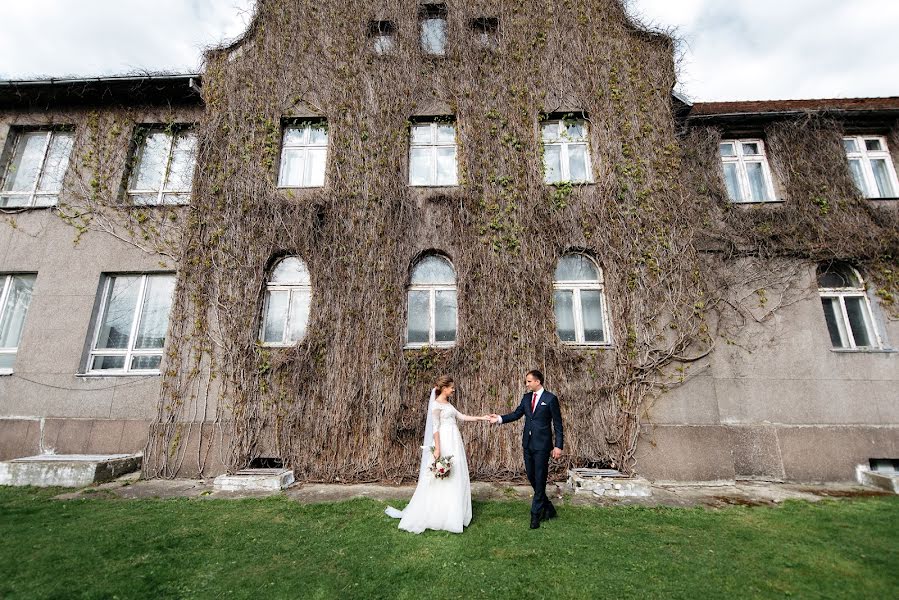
[566, 151]
[382, 36]
[32, 177]
[304, 154]
[871, 166]
[432, 21]
[847, 309]
[162, 170]
[133, 321]
[486, 31]
[746, 173]
[884, 465]
[15, 297]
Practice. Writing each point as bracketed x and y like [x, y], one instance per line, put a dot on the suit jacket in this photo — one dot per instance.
[537, 434]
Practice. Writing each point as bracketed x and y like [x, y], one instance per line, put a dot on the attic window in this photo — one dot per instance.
[486, 31]
[432, 19]
[382, 35]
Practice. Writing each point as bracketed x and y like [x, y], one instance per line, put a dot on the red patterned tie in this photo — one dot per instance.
[534, 403]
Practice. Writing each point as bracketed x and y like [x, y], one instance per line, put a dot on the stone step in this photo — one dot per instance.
[608, 482]
[250, 480]
[67, 470]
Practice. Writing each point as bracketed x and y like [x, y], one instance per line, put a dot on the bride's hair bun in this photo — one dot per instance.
[442, 382]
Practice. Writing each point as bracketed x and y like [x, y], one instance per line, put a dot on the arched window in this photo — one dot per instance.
[579, 301]
[287, 298]
[431, 303]
[846, 307]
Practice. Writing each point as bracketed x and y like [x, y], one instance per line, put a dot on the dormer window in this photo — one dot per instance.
[382, 36]
[746, 173]
[432, 19]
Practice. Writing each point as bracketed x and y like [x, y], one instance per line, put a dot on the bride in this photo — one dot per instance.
[440, 503]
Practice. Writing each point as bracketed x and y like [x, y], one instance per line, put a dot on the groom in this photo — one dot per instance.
[538, 407]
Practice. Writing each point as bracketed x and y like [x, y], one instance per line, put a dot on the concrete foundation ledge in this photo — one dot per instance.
[879, 479]
[250, 480]
[608, 482]
[67, 470]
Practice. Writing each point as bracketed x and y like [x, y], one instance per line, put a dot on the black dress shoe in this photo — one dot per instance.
[535, 521]
[549, 513]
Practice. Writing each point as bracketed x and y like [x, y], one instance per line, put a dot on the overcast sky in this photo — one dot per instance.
[732, 49]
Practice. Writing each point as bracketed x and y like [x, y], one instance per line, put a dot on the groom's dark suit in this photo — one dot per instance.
[536, 441]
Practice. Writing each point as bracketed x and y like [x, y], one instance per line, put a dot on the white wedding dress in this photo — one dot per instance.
[439, 503]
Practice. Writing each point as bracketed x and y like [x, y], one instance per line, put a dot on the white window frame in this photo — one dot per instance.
[741, 161]
[432, 289]
[133, 193]
[577, 286]
[33, 195]
[840, 294]
[130, 351]
[865, 156]
[305, 146]
[5, 288]
[563, 141]
[290, 288]
[434, 145]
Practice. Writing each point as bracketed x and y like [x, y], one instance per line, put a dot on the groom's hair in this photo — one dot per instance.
[536, 375]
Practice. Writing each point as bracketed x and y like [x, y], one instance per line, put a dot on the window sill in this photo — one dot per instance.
[434, 187]
[25, 208]
[276, 346]
[885, 199]
[6, 372]
[441, 346]
[587, 346]
[104, 375]
[756, 203]
[864, 350]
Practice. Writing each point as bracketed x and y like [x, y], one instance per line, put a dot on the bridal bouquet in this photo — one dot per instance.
[441, 467]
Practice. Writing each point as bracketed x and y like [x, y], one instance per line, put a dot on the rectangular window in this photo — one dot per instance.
[746, 173]
[486, 31]
[304, 154]
[566, 152]
[162, 171]
[32, 177]
[871, 166]
[15, 296]
[432, 20]
[132, 324]
[382, 35]
[432, 154]
[848, 318]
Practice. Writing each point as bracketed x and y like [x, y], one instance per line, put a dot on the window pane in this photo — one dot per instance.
[850, 145]
[726, 149]
[12, 317]
[446, 166]
[101, 363]
[858, 321]
[563, 305]
[422, 134]
[383, 44]
[550, 132]
[299, 314]
[14, 201]
[121, 302]
[295, 136]
[144, 199]
[577, 162]
[757, 186]
[7, 359]
[151, 162]
[421, 166]
[882, 177]
[446, 134]
[318, 134]
[154, 318]
[291, 270]
[574, 130]
[433, 270]
[834, 317]
[57, 162]
[433, 36]
[838, 276]
[275, 316]
[315, 169]
[873, 145]
[552, 164]
[855, 167]
[591, 310]
[23, 170]
[292, 167]
[751, 149]
[732, 181]
[445, 317]
[417, 314]
[146, 363]
[181, 169]
[576, 267]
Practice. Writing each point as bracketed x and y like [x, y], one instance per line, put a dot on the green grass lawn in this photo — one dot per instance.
[277, 548]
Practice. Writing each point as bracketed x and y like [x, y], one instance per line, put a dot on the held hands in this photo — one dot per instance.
[493, 418]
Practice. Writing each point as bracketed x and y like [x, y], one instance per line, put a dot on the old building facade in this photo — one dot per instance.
[275, 257]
